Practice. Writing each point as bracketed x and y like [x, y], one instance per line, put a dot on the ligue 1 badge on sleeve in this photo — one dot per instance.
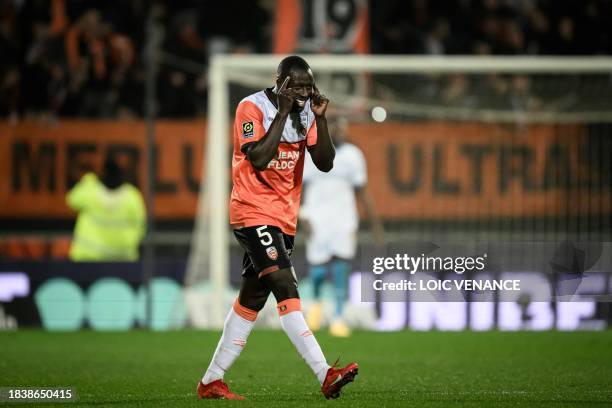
[247, 129]
[272, 252]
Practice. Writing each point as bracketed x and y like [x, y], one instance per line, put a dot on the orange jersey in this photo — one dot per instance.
[271, 196]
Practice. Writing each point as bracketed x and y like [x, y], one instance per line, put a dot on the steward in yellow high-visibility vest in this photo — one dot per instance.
[111, 217]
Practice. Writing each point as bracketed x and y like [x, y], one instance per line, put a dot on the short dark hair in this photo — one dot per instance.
[291, 64]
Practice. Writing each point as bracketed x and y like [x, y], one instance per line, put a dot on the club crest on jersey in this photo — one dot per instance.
[247, 129]
[272, 252]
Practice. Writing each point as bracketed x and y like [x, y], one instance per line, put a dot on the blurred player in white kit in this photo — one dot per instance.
[331, 221]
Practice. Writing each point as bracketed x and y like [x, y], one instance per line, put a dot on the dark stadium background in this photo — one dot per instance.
[78, 83]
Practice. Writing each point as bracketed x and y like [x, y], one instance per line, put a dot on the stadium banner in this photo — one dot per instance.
[101, 296]
[65, 296]
[477, 171]
[417, 171]
[39, 164]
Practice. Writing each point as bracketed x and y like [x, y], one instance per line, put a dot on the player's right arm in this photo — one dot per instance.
[262, 151]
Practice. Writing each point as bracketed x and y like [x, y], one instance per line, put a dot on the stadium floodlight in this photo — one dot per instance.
[507, 90]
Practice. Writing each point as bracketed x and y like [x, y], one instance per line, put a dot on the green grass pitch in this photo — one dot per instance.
[407, 369]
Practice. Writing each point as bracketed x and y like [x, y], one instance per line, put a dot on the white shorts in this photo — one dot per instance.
[325, 243]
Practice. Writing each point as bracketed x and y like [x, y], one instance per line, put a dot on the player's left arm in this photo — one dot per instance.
[323, 151]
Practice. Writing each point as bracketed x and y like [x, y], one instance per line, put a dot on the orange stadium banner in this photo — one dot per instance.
[462, 171]
[435, 171]
[321, 26]
[39, 164]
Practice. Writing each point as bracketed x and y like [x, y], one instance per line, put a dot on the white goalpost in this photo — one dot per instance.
[209, 259]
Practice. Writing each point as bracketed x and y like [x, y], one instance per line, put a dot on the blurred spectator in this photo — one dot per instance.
[435, 41]
[111, 217]
[99, 60]
[181, 91]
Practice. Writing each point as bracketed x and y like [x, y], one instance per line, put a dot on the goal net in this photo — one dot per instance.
[457, 148]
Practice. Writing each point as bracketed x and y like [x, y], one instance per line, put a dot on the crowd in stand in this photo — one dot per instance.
[500, 27]
[86, 58]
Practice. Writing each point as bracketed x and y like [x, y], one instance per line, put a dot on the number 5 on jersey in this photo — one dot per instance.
[264, 236]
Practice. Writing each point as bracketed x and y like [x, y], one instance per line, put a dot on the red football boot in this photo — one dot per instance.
[216, 390]
[337, 378]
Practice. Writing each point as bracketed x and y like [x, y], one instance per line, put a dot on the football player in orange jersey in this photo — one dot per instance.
[272, 130]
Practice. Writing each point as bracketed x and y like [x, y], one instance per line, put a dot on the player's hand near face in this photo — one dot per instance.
[318, 103]
[323, 152]
[261, 152]
[285, 98]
